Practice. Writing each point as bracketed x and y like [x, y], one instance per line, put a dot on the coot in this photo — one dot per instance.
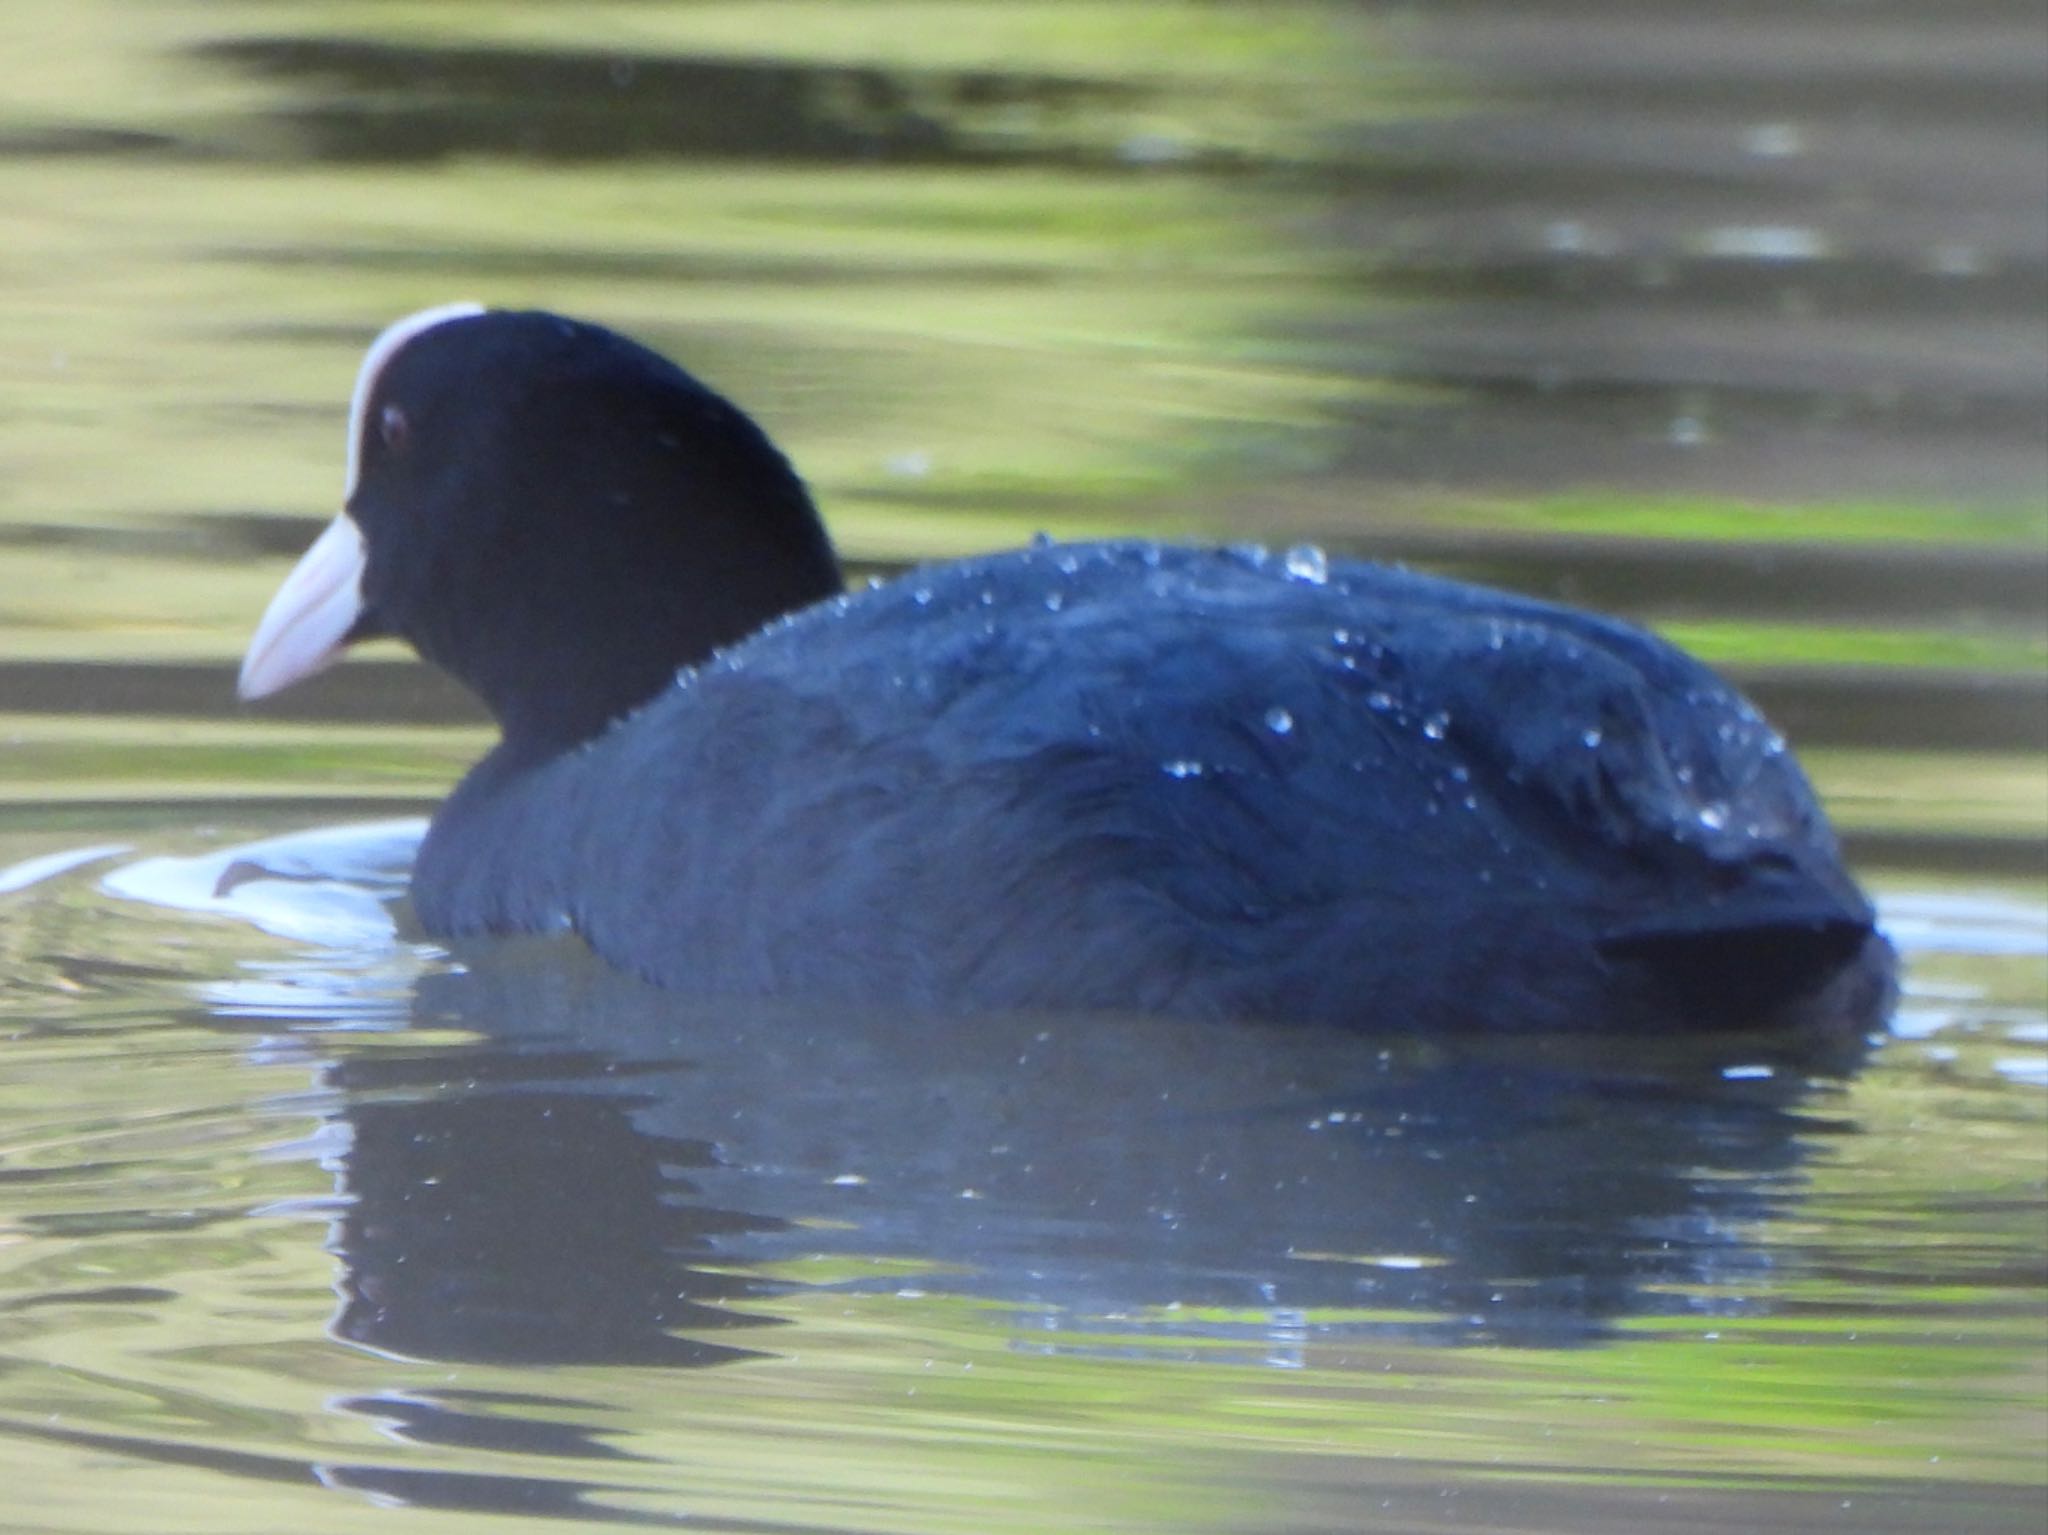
[1102, 776]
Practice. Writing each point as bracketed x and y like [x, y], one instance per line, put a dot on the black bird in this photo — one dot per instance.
[1103, 776]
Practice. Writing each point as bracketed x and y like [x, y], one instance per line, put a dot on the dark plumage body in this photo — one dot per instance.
[1106, 776]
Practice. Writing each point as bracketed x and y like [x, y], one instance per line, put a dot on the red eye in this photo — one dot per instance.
[395, 428]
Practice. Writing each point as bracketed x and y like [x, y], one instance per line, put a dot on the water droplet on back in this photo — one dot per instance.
[1306, 562]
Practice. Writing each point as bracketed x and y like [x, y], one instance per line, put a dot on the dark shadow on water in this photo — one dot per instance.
[372, 100]
[611, 1175]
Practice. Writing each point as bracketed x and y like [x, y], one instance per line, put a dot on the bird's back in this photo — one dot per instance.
[1129, 777]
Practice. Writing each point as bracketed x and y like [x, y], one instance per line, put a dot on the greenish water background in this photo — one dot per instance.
[1727, 318]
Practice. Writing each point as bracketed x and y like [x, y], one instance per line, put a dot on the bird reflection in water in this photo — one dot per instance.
[594, 1179]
